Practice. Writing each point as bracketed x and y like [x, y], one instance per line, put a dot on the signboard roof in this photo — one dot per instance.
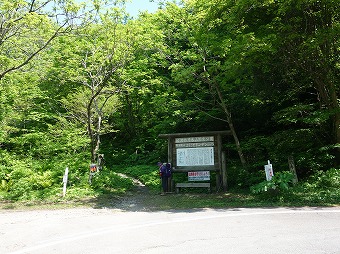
[195, 134]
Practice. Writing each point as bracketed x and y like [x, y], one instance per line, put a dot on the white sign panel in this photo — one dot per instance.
[199, 176]
[200, 156]
[194, 139]
[202, 144]
[65, 181]
[269, 171]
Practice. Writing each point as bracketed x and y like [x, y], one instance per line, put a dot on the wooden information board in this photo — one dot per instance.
[198, 152]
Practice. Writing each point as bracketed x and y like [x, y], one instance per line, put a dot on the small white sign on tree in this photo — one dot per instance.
[269, 171]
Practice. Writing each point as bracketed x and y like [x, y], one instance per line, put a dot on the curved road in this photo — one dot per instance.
[276, 230]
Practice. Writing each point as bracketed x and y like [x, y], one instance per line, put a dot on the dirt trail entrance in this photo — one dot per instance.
[134, 200]
[140, 198]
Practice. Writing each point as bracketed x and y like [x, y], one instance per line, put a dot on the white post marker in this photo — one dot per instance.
[269, 171]
[65, 181]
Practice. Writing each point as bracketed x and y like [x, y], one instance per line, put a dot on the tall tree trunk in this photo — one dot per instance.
[94, 135]
[231, 125]
[90, 132]
[228, 115]
[97, 137]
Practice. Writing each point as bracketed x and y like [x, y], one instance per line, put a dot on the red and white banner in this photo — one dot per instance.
[199, 176]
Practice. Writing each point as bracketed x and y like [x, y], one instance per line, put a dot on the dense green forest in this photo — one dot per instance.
[78, 79]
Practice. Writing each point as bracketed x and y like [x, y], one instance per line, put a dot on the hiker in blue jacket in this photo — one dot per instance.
[165, 174]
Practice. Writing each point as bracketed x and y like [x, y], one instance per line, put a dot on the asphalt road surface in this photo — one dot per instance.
[277, 230]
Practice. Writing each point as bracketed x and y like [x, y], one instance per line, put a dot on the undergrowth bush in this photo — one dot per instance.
[322, 188]
[107, 181]
[321, 179]
[147, 174]
[280, 182]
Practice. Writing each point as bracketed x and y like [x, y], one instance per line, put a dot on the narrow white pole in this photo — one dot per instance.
[65, 181]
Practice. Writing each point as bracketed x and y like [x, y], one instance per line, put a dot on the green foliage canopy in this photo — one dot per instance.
[71, 88]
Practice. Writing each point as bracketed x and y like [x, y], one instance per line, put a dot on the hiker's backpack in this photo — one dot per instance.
[168, 169]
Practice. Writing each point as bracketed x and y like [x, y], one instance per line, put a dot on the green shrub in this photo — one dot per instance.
[108, 181]
[279, 182]
[39, 181]
[23, 183]
[328, 179]
[78, 192]
[147, 174]
[322, 187]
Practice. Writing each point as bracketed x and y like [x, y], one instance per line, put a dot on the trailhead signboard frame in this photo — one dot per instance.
[198, 154]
